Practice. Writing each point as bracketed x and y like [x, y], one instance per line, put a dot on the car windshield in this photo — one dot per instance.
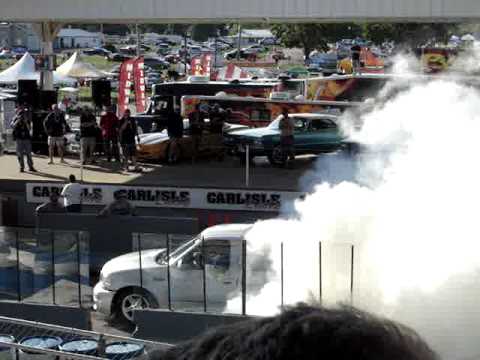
[162, 258]
[300, 123]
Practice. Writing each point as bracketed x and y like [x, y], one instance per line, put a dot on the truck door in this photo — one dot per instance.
[222, 270]
[186, 278]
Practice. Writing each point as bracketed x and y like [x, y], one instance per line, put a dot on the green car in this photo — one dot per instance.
[314, 134]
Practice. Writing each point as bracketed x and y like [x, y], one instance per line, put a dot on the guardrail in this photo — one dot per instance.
[17, 332]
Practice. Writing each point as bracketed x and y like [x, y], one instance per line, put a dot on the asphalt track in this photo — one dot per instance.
[229, 173]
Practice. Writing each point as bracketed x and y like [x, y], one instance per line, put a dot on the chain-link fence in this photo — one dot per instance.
[215, 273]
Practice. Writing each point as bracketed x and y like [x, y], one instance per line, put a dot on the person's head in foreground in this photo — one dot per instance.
[305, 332]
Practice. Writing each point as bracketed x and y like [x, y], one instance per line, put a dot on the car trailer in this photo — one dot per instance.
[23, 339]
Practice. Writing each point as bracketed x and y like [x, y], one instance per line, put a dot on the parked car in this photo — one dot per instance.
[119, 292]
[154, 146]
[232, 54]
[218, 44]
[129, 50]
[97, 51]
[5, 54]
[314, 134]
[118, 57]
[194, 50]
[254, 49]
[156, 63]
[269, 42]
[324, 63]
[163, 45]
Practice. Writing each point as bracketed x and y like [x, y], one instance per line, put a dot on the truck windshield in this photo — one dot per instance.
[162, 259]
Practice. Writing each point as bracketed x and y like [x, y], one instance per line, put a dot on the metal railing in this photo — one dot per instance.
[21, 330]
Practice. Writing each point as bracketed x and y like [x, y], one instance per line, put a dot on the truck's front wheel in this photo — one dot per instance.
[129, 301]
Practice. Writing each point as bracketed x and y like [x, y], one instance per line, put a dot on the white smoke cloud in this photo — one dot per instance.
[409, 205]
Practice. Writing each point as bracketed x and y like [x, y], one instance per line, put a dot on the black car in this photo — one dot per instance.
[156, 63]
[232, 55]
[97, 51]
[118, 57]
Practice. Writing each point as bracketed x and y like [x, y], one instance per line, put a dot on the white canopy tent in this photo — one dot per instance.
[74, 67]
[24, 69]
[468, 37]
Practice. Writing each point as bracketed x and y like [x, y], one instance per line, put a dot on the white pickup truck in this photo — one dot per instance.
[120, 290]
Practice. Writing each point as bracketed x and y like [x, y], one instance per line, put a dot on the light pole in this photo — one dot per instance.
[138, 39]
[217, 34]
[186, 34]
[239, 41]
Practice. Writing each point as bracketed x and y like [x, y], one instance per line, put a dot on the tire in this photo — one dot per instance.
[277, 156]
[129, 300]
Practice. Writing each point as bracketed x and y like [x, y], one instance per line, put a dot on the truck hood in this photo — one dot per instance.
[130, 262]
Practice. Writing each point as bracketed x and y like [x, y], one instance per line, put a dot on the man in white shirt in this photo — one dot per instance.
[72, 195]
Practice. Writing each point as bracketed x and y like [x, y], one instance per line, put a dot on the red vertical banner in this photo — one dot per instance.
[125, 85]
[196, 66]
[139, 76]
[207, 64]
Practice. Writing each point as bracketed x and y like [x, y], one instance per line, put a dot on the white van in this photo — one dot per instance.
[120, 290]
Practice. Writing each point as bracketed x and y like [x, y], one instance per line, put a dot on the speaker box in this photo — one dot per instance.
[28, 93]
[101, 90]
[39, 136]
[47, 99]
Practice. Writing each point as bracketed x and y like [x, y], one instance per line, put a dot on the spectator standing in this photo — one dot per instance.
[88, 128]
[196, 121]
[109, 124]
[23, 138]
[52, 206]
[128, 134]
[356, 52]
[175, 133]
[217, 121]
[287, 140]
[72, 195]
[55, 126]
[120, 206]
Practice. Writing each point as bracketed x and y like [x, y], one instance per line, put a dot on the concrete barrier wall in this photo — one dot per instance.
[174, 327]
[49, 314]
